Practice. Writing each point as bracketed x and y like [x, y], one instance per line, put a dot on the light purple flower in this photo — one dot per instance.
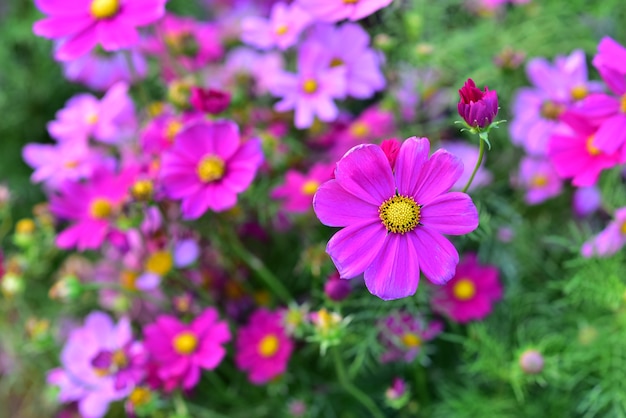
[282, 29]
[336, 10]
[404, 335]
[393, 221]
[539, 179]
[586, 200]
[363, 74]
[312, 90]
[186, 252]
[610, 240]
[100, 364]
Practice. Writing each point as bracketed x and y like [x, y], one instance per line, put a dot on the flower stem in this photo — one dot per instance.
[366, 401]
[481, 153]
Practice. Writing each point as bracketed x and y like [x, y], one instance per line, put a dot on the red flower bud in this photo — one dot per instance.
[391, 148]
[209, 100]
[478, 108]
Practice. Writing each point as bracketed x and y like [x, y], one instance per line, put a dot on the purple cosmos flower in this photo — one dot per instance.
[312, 90]
[298, 189]
[538, 177]
[208, 167]
[110, 23]
[282, 29]
[610, 240]
[404, 334]
[586, 200]
[363, 74]
[334, 10]
[101, 364]
[394, 220]
[477, 108]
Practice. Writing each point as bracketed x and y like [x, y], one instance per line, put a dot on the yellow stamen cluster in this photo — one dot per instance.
[411, 340]
[359, 129]
[579, 92]
[350, 1]
[551, 110]
[281, 29]
[622, 106]
[142, 190]
[119, 359]
[539, 180]
[592, 149]
[623, 228]
[399, 214]
[185, 343]
[464, 289]
[310, 187]
[100, 208]
[172, 129]
[25, 226]
[268, 346]
[336, 62]
[128, 280]
[310, 86]
[160, 262]
[104, 9]
[211, 168]
[140, 396]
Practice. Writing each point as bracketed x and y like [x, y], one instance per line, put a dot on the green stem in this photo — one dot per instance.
[180, 406]
[481, 153]
[353, 390]
[421, 385]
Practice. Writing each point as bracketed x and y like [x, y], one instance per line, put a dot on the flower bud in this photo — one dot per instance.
[477, 108]
[391, 148]
[531, 361]
[397, 395]
[209, 100]
[337, 289]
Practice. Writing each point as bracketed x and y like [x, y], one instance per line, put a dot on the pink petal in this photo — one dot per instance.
[61, 26]
[204, 322]
[395, 272]
[142, 12]
[365, 173]
[437, 176]
[411, 158]
[114, 36]
[226, 138]
[437, 256]
[612, 134]
[336, 207]
[451, 213]
[354, 248]
[78, 45]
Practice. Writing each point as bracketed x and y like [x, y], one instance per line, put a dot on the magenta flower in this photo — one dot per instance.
[334, 10]
[470, 295]
[92, 206]
[100, 364]
[209, 100]
[539, 179]
[208, 167]
[282, 29]
[363, 73]
[181, 350]
[610, 240]
[312, 90]
[263, 348]
[83, 25]
[298, 189]
[404, 334]
[394, 220]
[477, 108]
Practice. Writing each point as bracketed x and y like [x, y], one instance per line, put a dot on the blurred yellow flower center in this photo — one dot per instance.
[119, 359]
[592, 149]
[579, 92]
[155, 108]
[551, 110]
[350, 1]
[172, 129]
[92, 119]
[622, 106]
[400, 214]
[70, 164]
[140, 396]
[128, 280]
[268, 346]
[211, 168]
[25, 226]
[104, 9]
[539, 180]
[336, 62]
[282, 29]
[464, 289]
[411, 340]
[100, 208]
[623, 228]
[142, 189]
[160, 262]
[185, 343]
[359, 129]
[310, 187]
[309, 86]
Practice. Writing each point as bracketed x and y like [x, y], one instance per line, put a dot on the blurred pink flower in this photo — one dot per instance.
[610, 240]
[539, 180]
[334, 11]
[298, 189]
[404, 334]
[282, 29]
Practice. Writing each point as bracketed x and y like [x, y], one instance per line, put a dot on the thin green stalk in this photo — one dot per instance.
[366, 401]
[481, 153]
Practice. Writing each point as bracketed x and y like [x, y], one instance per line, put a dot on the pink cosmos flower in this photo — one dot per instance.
[610, 240]
[282, 29]
[404, 334]
[539, 179]
[263, 348]
[298, 189]
[242, 61]
[101, 364]
[363, 73]
[160, 132]
[208, 166]
[336, 10]
[468, 153]
[470, 294]
[109, 120]
[312, 90]
[180, 351]
[394, 220]
[92, 207]
[573, 153]
[83, 25]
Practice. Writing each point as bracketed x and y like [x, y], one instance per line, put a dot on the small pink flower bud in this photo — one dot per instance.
[209, 100]
[531, 361]
[391, 147]
[337, 289]
[478, 108]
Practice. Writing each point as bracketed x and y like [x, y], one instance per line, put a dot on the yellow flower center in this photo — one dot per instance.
[309, 86]
[579, 92]
[268, 346]
[101, 372]
[310, 187]
[172, 129]
[142, 190]
[350, 1]
[623, 228]
[622, 106]
[282, 29]
[155, 108]
[539, 180]
[359, 129]
[25, 226]
[119, 359]
[400, 214]
[211, 168]
[70, 164]
[140, 396]
[128, 280]
[185, 343]
[104, 9]
[592, 149]
[100, 208]
[160, 262]
[551, 110]
[464, 289]
[336, 62]
[411, 340]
